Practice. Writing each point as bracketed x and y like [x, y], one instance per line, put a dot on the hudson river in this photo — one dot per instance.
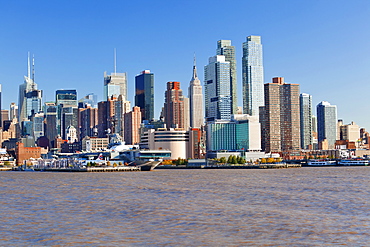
[296, 207]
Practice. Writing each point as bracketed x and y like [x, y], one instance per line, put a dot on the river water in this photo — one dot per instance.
[296, 207]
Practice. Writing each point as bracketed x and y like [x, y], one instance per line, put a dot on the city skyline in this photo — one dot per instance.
[72, 52]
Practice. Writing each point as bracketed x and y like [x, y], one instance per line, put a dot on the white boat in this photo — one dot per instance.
[353, 162]
[321, 163]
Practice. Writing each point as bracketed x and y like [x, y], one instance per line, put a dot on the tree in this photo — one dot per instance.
[223, 160]
[263, 160]
[270, 160]
[234, 160]
[230, 159]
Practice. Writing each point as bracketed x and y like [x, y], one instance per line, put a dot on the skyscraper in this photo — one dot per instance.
[144, 94]
[281, 118]
[30, 99]
[195, 96]
[252, 64]
[174, 106]
[217, 89]
[225, 48]
[306, 120]
[115, 85]
[327, 123]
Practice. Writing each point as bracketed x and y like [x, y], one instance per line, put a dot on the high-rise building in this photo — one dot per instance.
[51, 132]
[132, 126]
[217, 89]
[13, 112]
[30, 99]
[106, 117]
[144, 94]
[195, 96]
[281, 118]
[174, 106]
[350, 132]
[225, 48]
[115, 84]
[306, 120]
[88, 121]
[252, 64]
[121, 106]
[90, 99]
[66, 97]
[327, 123]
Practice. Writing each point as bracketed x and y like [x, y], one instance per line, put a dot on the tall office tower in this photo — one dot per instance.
[195, 96]
[115, 84]
[281, 117]
[121, 106]
[106, 113]
[4, 115]
[252, 64]
[306, 120]
[69, 117]
[90, 99]
[225, 48]
[144, 94]
[327, 123]
[33, 102]
[13, 113]
[51, 132]
[217, 89]
[30, 99]
[66, 97]
[132, 126]
[38, 125]
[87, 121]
[174, 106]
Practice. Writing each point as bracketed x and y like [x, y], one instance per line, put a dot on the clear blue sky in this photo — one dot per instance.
[322, 45]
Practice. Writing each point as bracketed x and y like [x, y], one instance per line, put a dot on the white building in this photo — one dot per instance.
[175, 140]
[195, 101]
[252, 64]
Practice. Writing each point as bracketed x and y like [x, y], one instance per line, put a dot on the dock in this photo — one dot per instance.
[216, 166]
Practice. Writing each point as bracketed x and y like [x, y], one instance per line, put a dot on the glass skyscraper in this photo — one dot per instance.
[144, 94]
[225, 48]
[306, 120]
[115, 85]
[217, 89]
[252, 64]
[327, 122]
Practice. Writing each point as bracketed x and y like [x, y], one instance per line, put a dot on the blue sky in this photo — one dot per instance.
[322, 45]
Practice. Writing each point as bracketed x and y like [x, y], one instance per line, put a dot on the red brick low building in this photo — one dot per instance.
[23, 153]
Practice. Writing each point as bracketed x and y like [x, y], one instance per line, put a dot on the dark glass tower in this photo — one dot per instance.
[144, 94]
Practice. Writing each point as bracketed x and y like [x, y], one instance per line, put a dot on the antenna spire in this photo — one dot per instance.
[33, 68]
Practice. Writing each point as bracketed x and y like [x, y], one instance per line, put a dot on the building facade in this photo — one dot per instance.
[252, 65]
[225, 48]
[174, 106]
[327, 123]
[195, 96]
[144, 94]
[115, 84]
[282, 116]
[306, 120]
[217, 89]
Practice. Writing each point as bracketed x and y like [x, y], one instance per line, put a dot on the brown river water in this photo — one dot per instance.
[283, 207]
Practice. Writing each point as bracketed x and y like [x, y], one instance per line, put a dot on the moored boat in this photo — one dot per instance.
[321, 163]
[354, 162]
